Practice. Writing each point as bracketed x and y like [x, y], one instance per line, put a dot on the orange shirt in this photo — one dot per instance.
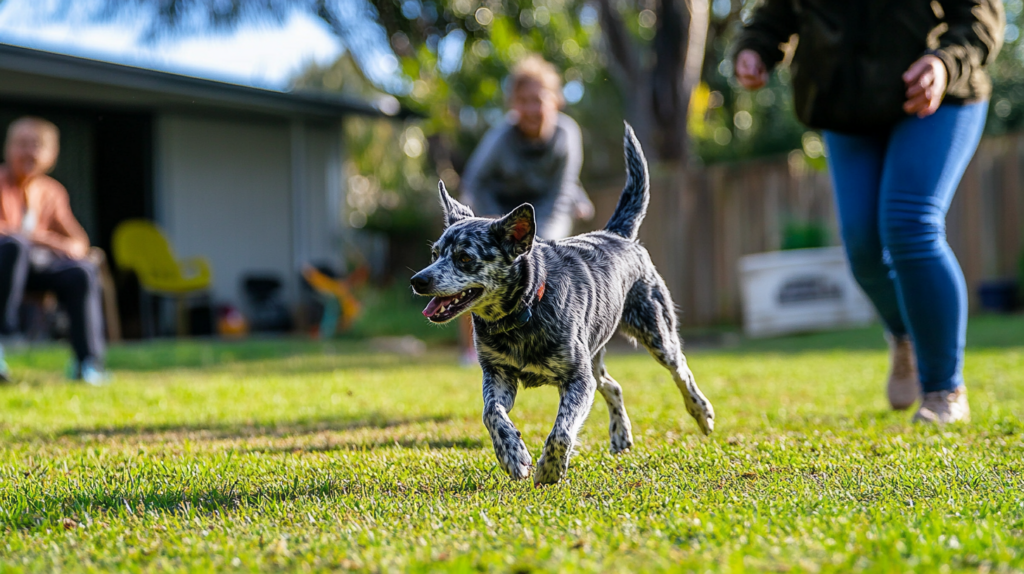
[56, 226]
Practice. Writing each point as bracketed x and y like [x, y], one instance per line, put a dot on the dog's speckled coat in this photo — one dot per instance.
[572, 295]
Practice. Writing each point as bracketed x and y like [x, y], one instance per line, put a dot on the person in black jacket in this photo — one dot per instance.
[900, 91]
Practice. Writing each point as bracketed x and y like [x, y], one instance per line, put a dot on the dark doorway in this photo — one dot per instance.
[123, 171]
[124, 190]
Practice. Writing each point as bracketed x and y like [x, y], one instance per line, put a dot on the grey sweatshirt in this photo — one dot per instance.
[506, 170]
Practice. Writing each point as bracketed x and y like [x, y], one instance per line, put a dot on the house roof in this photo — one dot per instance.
[39, 76]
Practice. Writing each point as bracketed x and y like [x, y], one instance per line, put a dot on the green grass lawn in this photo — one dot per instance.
[290, 455]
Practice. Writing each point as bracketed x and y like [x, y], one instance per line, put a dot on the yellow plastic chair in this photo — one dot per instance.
[140, 246]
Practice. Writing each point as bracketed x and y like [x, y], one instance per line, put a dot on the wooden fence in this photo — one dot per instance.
[701, 221]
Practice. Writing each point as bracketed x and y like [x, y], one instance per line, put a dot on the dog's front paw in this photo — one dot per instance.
[702, 412]
[621, 435]
[513, 457]
[698, 405]
[552, 466]
[621, 442]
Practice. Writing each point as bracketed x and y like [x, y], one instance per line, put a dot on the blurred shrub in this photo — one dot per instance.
[457, 54]
[1006, 108]
[387, 188]
[804, 236]
[729, 123]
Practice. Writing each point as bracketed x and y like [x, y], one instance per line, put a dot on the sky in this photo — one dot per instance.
[259, 55]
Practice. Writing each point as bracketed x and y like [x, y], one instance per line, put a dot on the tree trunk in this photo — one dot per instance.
[658, 94]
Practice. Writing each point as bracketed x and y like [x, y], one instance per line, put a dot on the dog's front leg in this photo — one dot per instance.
[577, 397]
[499, 397]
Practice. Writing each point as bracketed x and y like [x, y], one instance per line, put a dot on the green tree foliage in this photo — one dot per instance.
[388, 190]
[1006, 108]
[734, 124]
[728, 123]
[456, 53]
[621, 58]
[455, 57]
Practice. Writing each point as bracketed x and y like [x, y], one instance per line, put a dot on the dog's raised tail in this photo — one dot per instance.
[632, 207]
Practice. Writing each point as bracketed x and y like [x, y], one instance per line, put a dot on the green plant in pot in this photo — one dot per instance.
[1020, 278]
[796, 235]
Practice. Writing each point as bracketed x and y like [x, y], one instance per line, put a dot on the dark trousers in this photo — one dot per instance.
[76, 284]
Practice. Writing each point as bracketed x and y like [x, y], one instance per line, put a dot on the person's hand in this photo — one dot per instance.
[750, 70]
[584, 210]
[77, 249]
[926, 84]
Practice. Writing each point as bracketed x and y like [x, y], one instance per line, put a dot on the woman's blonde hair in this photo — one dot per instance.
[534, 68]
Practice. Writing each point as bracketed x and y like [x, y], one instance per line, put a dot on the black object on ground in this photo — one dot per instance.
[263, 298]
[999, 295]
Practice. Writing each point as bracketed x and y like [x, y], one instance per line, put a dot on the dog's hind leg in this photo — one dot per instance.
[649, 317]
[577, 395]
[499, 397]
[619, 429]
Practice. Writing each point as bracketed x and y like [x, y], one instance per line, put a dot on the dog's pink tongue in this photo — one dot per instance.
[435, 304]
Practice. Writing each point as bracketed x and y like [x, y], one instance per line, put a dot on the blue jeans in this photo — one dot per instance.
[892, 192]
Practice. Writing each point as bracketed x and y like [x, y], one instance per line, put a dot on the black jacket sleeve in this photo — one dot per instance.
[771, 25]
[972, 40]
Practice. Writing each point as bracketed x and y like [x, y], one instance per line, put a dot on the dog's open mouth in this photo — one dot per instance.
[441, 309]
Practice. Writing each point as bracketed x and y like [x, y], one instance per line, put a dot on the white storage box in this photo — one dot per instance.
[800, 290]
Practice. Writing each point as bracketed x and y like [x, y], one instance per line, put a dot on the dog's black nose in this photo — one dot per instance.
[421, 284]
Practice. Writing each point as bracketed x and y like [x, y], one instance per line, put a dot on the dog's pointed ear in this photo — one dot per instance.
[517, 230]
[453, 210]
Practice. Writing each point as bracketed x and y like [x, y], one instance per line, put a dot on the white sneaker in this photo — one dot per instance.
[89, 372]
[904, 386]
[93, 374]
[5, 371]
[944, 407]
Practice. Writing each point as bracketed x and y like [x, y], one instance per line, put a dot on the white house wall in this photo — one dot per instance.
[320, 211]
[252, 197]
[224, 192]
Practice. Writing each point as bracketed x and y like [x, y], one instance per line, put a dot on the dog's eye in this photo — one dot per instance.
[465, 258]
[433, 256]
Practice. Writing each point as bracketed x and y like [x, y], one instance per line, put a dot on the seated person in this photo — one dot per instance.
[43, 247]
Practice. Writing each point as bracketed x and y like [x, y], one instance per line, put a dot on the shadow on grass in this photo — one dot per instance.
[368, 361]
[229, 430]
[370, 445]
[77, 511]
[267, 354]
[280, 353]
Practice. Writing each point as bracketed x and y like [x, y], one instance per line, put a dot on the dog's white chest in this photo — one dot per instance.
[532, 368]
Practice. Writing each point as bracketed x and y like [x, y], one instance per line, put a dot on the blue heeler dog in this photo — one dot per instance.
[544, 310]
